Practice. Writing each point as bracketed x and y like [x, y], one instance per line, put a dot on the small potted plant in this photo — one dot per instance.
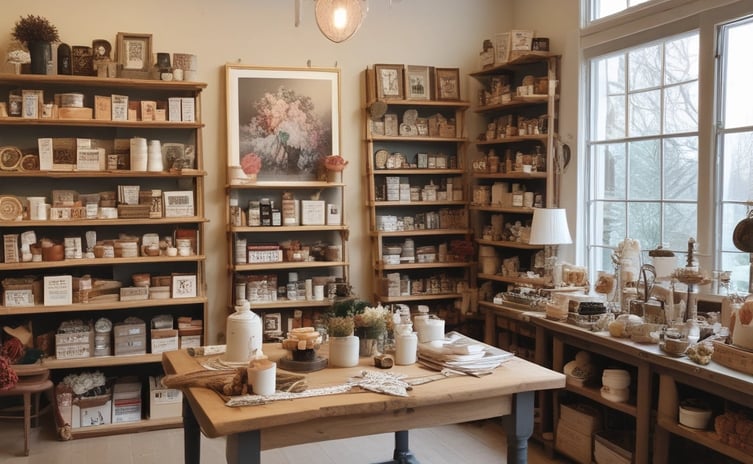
[38, 34]
[370, 327]
[343, 345]
[334, 164]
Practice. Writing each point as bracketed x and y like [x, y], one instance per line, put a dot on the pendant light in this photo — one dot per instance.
[339, 19]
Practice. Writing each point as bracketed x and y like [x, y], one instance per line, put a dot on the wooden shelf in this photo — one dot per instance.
[294, 229]
[126, 427]
[102, 305]
[417, 171]
[101, 361]
[15, 121]
[501, 209]
[288, 265]
[421, 232]
[419, 203]
[280, 184]
[117, 174]
[511, 175]
[514, 139]
[425, 103]
[98, 262]
[104, 222]
[417, 298]
[705, 438]
[506, 244]
[102, 82]
[407, 266]
[403, 138]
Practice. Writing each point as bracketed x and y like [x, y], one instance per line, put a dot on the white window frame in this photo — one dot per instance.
[648, 23]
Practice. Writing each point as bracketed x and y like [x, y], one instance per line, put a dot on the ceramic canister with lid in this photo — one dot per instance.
[244, 335]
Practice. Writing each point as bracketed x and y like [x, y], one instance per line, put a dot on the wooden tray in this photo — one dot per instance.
[733, 357]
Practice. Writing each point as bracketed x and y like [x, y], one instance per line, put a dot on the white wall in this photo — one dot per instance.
[445, 33]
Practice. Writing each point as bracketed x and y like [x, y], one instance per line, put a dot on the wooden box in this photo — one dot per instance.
[74, 345]
[733, 357]
[130, 338]
[570, 441]
[614, 447]
[582, 417]
[164, 340]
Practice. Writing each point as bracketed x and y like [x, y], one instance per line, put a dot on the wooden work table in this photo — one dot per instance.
[508, 391]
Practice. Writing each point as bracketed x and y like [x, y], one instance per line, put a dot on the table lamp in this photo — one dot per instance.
[549, 227]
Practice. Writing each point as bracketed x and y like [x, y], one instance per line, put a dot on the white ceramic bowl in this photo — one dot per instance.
[615, 379]
[694, 414]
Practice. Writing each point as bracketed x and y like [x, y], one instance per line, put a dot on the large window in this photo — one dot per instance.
[643, 147]
[735, 144]
[668, 130]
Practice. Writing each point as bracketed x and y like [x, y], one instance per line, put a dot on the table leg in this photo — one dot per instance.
[191, 435]
[244, 448]
[519, 427]
[402, 454]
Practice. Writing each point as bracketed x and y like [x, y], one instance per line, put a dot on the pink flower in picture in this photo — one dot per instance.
[251, 163]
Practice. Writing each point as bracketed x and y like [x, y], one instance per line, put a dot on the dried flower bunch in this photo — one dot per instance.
[340, 326]
[373, 317]
[33, 28]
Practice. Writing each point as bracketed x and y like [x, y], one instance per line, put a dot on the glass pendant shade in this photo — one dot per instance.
[338, 19]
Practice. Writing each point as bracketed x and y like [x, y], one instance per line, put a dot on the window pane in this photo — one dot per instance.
[603, 8]
[644, 223]
[645, 170]
[681, 108]
[732, 214]
[681, 168]
[608, 99]
[738, 92]
[680, 223]
[609, 172]
[611, 227]
[737, 170]
[644, 113]
[739, 264]
[644, 68]
[681, 60]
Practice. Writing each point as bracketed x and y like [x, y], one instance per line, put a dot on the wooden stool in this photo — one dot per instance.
[32, 380]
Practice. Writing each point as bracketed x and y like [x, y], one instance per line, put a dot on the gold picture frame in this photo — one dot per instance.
[447, 83]
[389, 81]
[134, 54]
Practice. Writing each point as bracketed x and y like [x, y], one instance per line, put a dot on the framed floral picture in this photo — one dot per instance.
[447, 81]
[282, 122]
[134, 52]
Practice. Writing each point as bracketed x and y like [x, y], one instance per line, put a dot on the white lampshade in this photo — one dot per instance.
[549, 227]
[338, 19]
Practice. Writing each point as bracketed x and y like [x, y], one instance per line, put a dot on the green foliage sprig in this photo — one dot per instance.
[340, 326]
[33, 28]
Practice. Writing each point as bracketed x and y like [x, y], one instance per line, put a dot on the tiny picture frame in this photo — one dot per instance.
[501, 48]
[273, 324]
[418, 82]
[447, 82]
[389, 81]
[521, 40]
[178, 203]
[184, 285]
[134, 52]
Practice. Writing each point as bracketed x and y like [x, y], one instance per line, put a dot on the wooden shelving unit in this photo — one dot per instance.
[419, 163]
[24, 133]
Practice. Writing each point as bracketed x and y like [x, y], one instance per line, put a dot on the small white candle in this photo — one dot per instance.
[262, 376]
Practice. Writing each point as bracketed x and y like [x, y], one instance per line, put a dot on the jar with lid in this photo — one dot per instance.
[235, 213]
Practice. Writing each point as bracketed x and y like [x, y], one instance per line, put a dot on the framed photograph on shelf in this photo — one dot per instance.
[282, 122]
[447, 81]
[178, 203]
[501, 48]
[134, 54]
[184, 285]
[389, 81]
[418, 82]
[521, 41]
